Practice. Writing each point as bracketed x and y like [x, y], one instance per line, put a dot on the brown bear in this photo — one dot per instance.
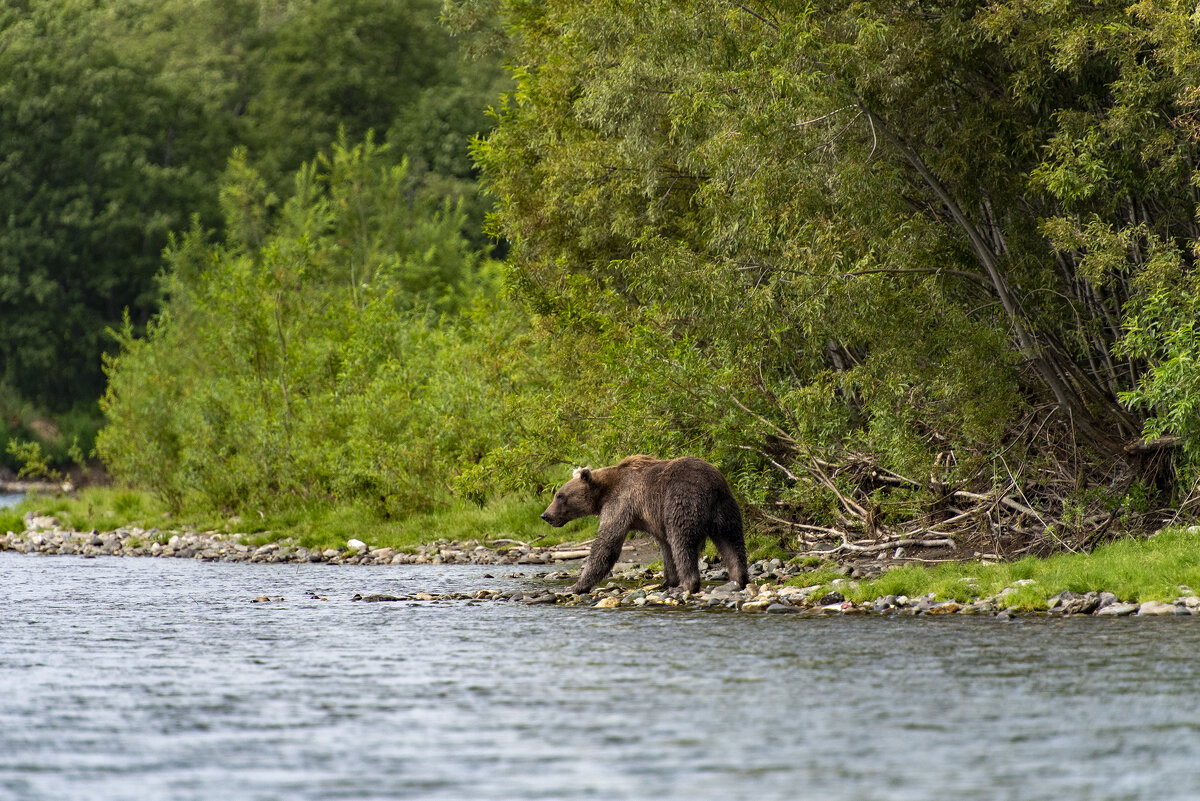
[679, 502]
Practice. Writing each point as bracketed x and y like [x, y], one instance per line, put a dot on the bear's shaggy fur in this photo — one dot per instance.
[679, 502]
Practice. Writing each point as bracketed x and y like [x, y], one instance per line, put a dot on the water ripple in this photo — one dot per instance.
[135, 679]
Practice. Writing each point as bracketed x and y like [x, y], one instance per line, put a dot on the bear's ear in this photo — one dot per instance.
[584, 473]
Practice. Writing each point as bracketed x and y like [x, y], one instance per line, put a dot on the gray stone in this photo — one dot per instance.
[978, 608]
[727, 590]
[925, 603]
[1088, 604]
[1072, 603]
[884, 603]
[781, 609]
[1059, 601]
[1118, 610]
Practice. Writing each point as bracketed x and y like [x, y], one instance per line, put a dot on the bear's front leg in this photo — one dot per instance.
[604, 554]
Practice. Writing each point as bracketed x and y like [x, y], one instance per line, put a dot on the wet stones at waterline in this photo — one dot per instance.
[635, 588]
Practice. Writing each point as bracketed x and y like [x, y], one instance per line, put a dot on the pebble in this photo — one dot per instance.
[781, 609]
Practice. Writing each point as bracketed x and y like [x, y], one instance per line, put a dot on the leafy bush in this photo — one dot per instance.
[1162, 327]
[344, 345]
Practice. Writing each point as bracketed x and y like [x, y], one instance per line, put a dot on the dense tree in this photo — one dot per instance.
[117, 117]
[900, 265]
[97, 164]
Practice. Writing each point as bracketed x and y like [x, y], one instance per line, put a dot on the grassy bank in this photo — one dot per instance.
[1160, 568]
[313, 525]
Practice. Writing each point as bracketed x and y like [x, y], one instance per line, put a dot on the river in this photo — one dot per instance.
[164, 679]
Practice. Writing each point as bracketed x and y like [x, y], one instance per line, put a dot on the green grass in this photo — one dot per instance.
[1157, 569]
[314, 525]
[99, 508]
[507, 519]
[11, 520]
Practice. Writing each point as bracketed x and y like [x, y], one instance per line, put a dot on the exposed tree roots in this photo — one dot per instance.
[1043, 494]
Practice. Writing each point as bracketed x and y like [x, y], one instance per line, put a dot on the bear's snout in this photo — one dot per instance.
[549, 518]
[546, 516]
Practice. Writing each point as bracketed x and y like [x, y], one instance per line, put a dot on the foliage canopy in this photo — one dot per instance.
[878, 259]
[117, 118]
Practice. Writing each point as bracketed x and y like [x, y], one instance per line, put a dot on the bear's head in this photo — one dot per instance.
[579, 497]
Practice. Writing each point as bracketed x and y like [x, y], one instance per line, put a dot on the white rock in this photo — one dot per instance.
[1156, 608]
[356, 545]
[803, 592]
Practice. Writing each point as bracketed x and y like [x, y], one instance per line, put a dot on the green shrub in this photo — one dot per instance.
[345, 348]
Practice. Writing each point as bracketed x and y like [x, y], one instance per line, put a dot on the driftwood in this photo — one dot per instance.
[1005, 512]
[564, 555]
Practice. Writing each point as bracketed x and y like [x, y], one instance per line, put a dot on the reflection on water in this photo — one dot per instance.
[147, 678]
[8, 499]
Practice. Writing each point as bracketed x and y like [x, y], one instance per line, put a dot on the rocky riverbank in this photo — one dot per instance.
[633, 585]
[44, 535]
[816, 600]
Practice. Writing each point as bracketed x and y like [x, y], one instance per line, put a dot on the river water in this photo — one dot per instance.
[163, 679]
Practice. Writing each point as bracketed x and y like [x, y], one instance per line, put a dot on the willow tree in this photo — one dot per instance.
[896, 265]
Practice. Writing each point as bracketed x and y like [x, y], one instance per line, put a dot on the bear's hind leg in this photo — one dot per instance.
[733, 556]
[670, 576]
[686, 548]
